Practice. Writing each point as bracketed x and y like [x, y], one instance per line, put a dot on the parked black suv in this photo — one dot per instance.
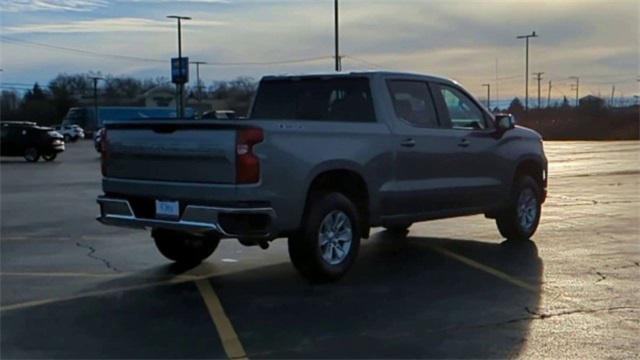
[29, 140]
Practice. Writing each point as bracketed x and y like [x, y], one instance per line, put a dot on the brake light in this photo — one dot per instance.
[104, 153]
[247, 163]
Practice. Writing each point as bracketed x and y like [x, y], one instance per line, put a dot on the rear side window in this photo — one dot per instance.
[412, 102]
[321, 99]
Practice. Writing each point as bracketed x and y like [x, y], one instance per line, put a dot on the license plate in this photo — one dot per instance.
[167, 209]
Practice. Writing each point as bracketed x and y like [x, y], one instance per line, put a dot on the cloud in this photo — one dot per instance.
[52, 5]
[120, 24]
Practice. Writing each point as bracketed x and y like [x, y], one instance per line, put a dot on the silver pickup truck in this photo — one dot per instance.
[321, 160]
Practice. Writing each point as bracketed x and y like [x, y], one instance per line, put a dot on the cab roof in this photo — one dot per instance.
[365, 73]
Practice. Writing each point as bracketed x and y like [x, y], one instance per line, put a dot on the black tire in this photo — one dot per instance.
[49, 157]
[31, 154]
[66, 138]
[510, 221]
[305, 249]
[398, 228]
[184, 248]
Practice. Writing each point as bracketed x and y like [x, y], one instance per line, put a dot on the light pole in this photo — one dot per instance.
[179, 103]
[95, 98]
[576, 87]
[337, 38]
[488, 86]
[539, 78]
[526, 67]
[198, 85]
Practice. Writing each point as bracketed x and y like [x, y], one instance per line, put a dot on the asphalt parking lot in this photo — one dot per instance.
[73, 288]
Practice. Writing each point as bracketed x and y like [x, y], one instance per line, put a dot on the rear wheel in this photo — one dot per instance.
[49, 157]
[327, 245]
[520, 219]
[31, 154]
[183, 247]
[67, 138]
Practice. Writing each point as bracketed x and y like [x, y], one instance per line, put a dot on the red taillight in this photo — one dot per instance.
[247, 163]
[104, 152]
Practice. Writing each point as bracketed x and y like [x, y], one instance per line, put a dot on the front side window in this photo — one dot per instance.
[463, 112]
[412, 102]
[319, 99]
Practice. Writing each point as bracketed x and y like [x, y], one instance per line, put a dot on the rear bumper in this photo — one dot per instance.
[225, 221]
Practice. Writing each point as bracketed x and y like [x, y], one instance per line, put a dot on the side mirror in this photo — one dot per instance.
[505, 121]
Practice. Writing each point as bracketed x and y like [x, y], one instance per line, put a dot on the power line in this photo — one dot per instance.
[26, 43]
[363, 61]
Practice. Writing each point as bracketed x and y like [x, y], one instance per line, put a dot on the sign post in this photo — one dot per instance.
[180, 76]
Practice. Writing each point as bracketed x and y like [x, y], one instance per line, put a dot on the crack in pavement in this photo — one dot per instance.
[542, 315]
[91, 252]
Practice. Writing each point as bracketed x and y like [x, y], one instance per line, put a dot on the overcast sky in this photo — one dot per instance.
[596, 40]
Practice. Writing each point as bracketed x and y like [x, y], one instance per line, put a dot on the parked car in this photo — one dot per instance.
[70, 132]
[97, 140]
[219, 115]
[321, 160]
[29, 140]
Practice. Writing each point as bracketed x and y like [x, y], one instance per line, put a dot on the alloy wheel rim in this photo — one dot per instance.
[527, 209]
[31, 154]
[335, 236]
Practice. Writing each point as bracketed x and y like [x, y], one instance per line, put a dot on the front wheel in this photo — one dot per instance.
[183, 247]
[49, 157]
[31, 154]
[520, 219]
[328, 243]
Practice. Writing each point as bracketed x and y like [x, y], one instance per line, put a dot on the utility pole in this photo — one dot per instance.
[539, 78]
[613, 91]
[576, 87]
[198, 84]
[526, 67]
[549, 95]
[95, 98]
[488, 86]
[180, 102]
[337, 37]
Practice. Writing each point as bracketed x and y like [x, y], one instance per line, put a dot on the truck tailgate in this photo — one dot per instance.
[163, 151]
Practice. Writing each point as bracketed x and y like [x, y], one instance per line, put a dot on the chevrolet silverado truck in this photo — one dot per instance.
[321, 160]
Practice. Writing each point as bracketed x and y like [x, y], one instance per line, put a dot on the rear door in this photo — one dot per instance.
[479, 180]
[423, 165]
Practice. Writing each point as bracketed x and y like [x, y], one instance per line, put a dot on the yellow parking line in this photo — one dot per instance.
[62, 274]
[495, 272]
[227, 333]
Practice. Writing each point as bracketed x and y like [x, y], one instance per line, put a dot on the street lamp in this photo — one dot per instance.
[488, 95]
[336, 34]
[179, 103]
[198, 85]
[526, 70]
[95, 98]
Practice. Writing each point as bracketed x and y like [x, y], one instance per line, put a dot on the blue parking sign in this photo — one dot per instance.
[180, 75]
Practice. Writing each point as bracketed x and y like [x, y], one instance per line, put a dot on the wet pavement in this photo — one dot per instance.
[72, 288]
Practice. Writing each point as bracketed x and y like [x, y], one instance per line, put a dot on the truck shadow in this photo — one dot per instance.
[404, 298]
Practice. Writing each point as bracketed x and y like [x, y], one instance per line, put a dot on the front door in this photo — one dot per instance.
[479, 180]
[423, 167]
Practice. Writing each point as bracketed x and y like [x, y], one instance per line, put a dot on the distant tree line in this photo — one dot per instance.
[47, 105]
[590, 120]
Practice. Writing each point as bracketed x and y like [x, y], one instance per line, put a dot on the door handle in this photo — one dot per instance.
[408, 142]
[463, 143]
